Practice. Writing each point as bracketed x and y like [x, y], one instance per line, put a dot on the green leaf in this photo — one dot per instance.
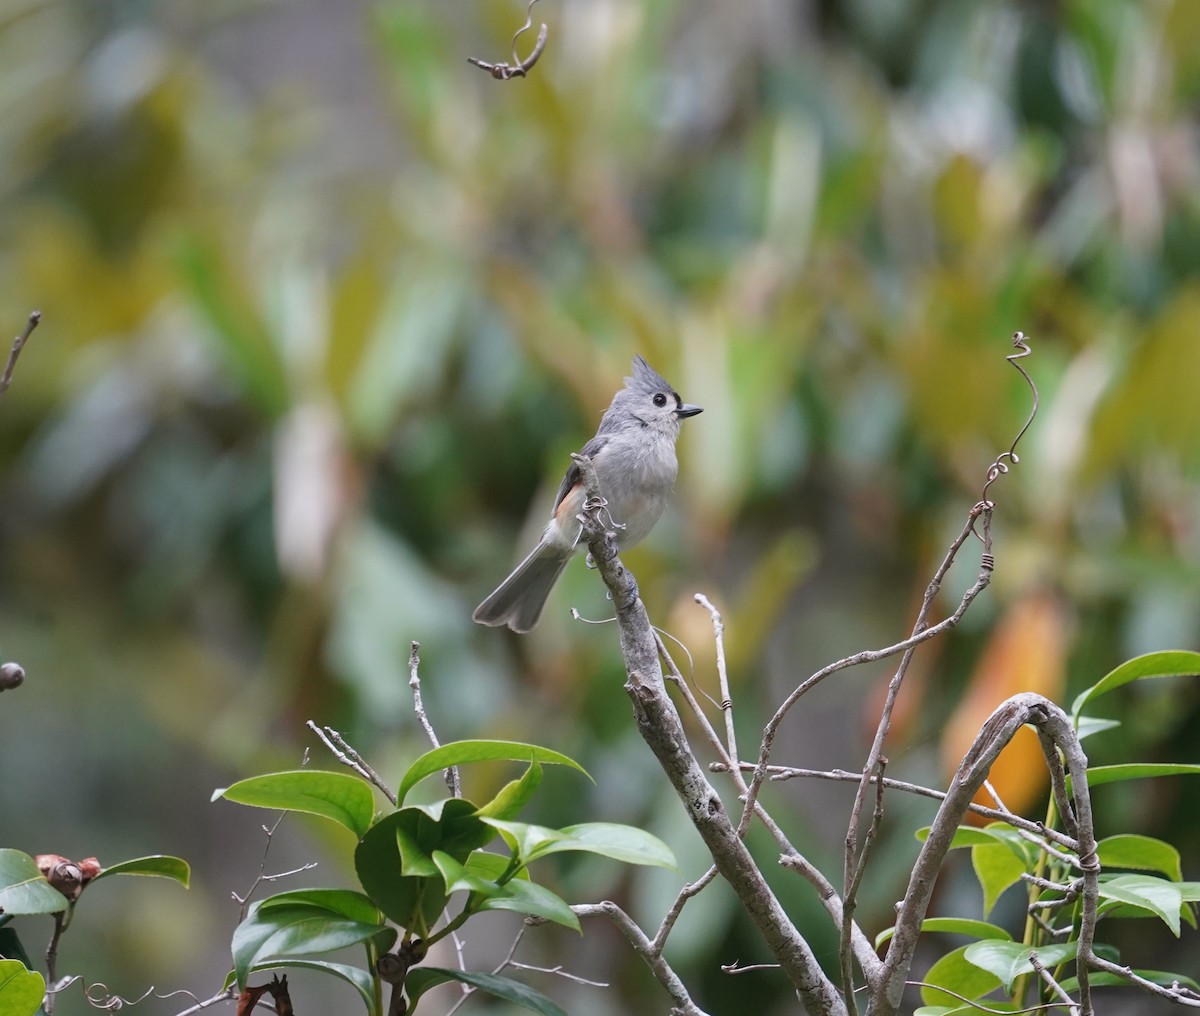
[1009, 960]
[953, 971]
[521, 896]
[421, 979]
[24, 889]
[21, 989]
[514, 796]
[1147, 893]
[340, 902]
[459, 753]
[624, 843]
[11, 948]
[234, 322]
[1099, 978]
[1086, 726]
[525, 897]
[609, 839]
[967, 836]
[997, 867]
[394, 860]
[1141, 852]
[345, 799]
[461, 879]
[1099, 775]
[156, 865]
[1166, 664]
[295, 930]
[952, 926]
[523, 838]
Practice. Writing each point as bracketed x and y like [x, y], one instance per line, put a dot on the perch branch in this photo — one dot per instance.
[661, 728]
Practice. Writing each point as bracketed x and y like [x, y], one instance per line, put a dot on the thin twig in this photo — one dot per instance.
[672, 915]
[262, 875]
[738, 968]
[345, 753]
[14, 354]
[1052, 984]
[1177, 994]
[844, 776]
[450, 775]
[722, 674]
[642, 945]
[518, 68]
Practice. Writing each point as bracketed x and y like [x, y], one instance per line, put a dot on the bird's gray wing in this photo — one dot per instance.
[591, 449]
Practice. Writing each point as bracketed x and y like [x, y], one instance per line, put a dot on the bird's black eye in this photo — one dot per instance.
[660, 399]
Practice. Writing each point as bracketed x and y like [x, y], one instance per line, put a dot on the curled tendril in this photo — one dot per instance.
[1001, 466]
[518, 68]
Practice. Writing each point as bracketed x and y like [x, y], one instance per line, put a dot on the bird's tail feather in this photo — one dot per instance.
[518, 600]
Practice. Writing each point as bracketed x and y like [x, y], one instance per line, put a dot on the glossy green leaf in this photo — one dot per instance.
[23, 889]
[345, 799]
[421, 979]
[997, 867]
[1100, 978]
[1152, 665]
[513, 796]
[459, 753]
[609, 839]
[295, 929]
[21, 989]
[953, 972]
[1086, 726]
[1100, 775]
[1141, 852]
[1009, 960]
[340, 902]
[525, 897]
[394, 861]
[461, 879]
[1146, 892]
[952, 926]
[967, 836]
[156, 865]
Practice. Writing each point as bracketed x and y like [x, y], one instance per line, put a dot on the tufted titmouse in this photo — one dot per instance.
[634, 455]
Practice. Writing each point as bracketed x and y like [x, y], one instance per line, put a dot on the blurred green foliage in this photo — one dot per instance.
[326, 308]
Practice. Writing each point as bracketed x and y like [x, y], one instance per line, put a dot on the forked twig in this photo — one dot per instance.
[518, 68]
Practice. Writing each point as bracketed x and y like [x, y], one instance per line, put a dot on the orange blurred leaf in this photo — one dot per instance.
[1027, 652]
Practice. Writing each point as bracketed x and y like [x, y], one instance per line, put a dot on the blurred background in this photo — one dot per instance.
[326, 308]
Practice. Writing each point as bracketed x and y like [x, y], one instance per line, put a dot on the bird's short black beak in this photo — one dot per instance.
[685, 410]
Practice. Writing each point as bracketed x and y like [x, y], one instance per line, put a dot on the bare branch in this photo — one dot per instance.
[1052, 984]
[1039, 829]
[999, 729]
[672, 915]
[451, 776]
[14, 354]
[1177, 993]
[347, 756]
[634, 935]
[661, 728]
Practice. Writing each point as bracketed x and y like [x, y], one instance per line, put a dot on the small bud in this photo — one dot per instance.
[12, 675]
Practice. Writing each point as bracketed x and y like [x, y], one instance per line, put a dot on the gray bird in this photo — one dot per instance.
[634, 455]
